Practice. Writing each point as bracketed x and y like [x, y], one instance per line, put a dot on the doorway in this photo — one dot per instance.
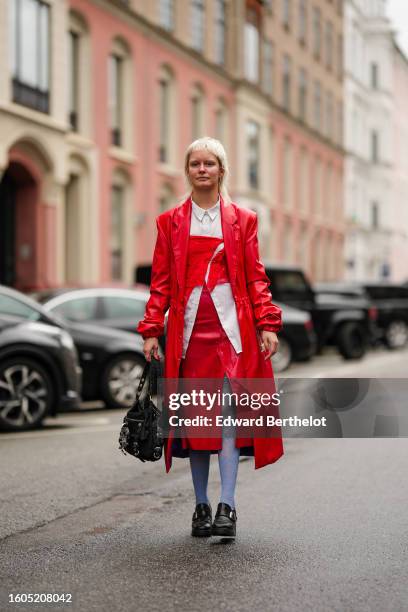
[7, 230]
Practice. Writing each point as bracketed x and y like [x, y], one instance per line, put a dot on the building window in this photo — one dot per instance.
[166, 198]
[117, 232]
[318, 187]
[78, 83]
[287, 182]
[195, 117]
[340, 56]
[304, 181]
[272, 183]
[326, 112]
[374, 215]
[30, 53]
[197, 112]
[286, 13]
[353, 46]
[329, 196]
[329, 45]
[374, 146]
[329, 115]
[288, 243]
[374, 75]
[253, 154]
[302, 95]
[167, 123]
[220, 31]
[115, 67]
[302, 21]
[166, 14]
[251, 44]
[164, 86]
[340, 122]
[317, 34]
[303, 247]
[120, 103]
[73, 79]
[221, 122]
[197, 24]
[286, 82]
[317, 106]
[337, 199]
[267, 67]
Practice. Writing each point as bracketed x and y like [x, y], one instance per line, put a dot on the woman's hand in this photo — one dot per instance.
[270, 343]
[151, 345]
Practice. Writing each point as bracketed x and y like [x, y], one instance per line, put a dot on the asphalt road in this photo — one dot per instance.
[325, 528]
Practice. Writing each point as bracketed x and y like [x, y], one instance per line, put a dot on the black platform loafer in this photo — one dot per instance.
[225, 520]
[201, 523]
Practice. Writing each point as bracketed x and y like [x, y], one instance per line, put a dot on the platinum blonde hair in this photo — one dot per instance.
[214, 146]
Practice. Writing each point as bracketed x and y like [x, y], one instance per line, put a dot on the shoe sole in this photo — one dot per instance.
[223, 532]
[201, 533]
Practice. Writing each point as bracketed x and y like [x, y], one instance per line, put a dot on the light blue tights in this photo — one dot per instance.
[228, 461]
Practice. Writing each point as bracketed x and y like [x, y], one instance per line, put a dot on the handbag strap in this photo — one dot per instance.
[155, 371]
[154, 365]
[142, 380]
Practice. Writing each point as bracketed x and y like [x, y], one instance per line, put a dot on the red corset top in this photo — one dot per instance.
[200, 253]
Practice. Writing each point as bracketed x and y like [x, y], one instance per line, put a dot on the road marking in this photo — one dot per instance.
[66, 419]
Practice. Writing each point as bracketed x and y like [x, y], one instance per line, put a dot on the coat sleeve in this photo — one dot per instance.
[152, 324]
[267, 315]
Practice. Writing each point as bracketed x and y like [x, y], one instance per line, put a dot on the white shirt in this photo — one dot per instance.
[208, 223]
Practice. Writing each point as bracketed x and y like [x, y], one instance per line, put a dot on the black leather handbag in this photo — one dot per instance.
[141, 434]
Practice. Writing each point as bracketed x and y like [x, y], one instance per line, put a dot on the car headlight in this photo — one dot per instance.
[66, 340]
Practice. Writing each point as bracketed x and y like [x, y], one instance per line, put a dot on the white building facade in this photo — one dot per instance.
[399, 248]
[369, 167]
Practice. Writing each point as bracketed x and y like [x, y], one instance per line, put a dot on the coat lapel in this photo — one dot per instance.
[231, 234]
[181, 233]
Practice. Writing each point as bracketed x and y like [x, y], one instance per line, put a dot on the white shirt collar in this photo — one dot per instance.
[200, 212]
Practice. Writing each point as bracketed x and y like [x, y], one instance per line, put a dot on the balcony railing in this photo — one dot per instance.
[31, 96]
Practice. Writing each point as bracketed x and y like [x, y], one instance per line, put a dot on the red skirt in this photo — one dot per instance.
[210, 355]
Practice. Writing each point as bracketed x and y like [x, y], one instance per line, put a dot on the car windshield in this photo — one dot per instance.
[378, 292]
[78, 310]
[42, 296]
[290, 282]
[11, 306]
[117, 307]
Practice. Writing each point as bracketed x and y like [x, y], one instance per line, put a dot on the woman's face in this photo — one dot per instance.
[204, 170]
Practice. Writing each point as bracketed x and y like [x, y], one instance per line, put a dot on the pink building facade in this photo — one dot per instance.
[308, 222]
[95, 151]
[149, 177]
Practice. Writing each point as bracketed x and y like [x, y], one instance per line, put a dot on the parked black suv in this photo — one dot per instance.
[339, 320]
[391, 302]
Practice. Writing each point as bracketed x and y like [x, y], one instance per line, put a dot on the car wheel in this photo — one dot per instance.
[26, 394]
[396, 335]
[351, 341]
[283, 357]
[120, 380]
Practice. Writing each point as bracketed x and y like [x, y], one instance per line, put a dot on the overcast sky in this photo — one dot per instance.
[398, 13]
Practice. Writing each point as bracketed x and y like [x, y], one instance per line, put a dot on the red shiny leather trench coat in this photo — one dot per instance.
[250, 288]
